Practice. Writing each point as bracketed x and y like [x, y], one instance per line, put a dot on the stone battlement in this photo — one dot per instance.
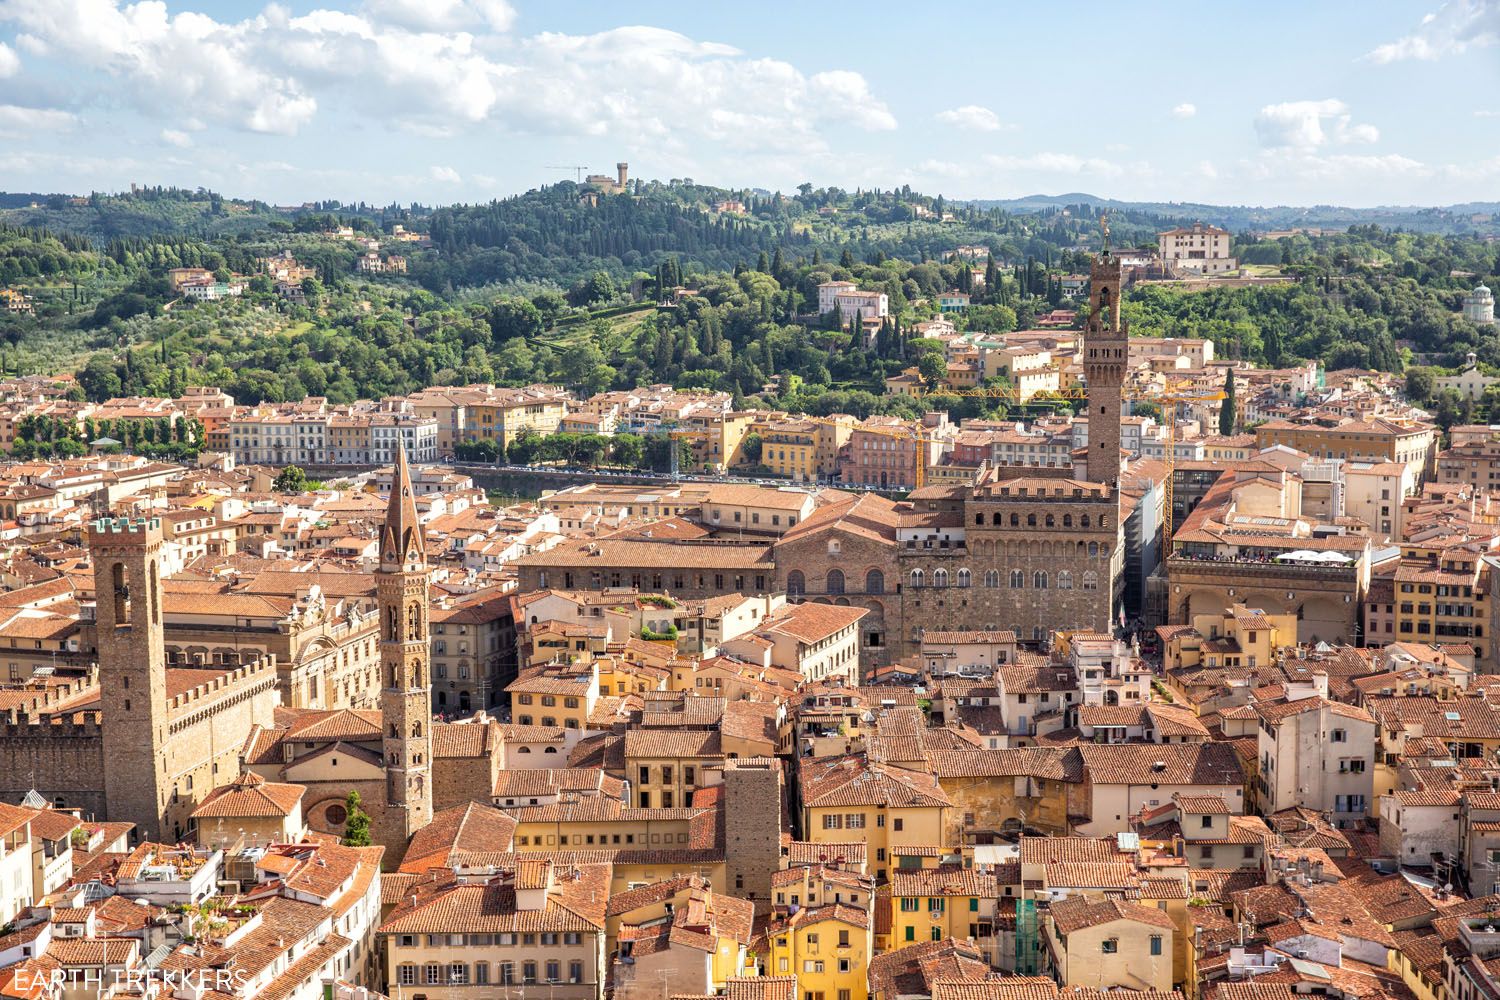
[230, 679]
[110, 531]
[76, 725]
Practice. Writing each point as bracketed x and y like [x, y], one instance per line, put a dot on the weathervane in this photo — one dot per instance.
[1104, 229]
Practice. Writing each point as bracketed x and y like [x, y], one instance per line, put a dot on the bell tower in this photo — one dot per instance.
[405, 698]
[1106, 340]
[126, 554]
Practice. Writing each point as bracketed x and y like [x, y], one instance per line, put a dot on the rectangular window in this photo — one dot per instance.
[911, 933]
[575, 972]
[1156, 944]
[1109, 946]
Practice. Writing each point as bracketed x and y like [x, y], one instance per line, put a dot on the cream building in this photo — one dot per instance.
[1110, 944]
[1197, 249]
[1317, 754]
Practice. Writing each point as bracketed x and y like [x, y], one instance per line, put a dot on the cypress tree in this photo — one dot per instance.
[1227, 407]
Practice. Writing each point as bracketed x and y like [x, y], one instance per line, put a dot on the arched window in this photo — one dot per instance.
[1090, 580]
[979, 520]
[1093, 550]
[874, 582]
[1064, 579]
[916, 578]
[1017, 579]
[1084, 521]
[992, 578]
[1051, 521]
[995, 519]
[965, 578]
[1015, 520]
[1067, 520]
[796, 583]
[940, 577]
[1031, 520]
[1039, 579]
[835, 581]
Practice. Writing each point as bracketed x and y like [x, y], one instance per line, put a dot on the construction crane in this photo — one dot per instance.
[577, 170]
[1169, 398]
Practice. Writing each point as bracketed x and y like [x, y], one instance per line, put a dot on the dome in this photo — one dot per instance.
[1482, 290]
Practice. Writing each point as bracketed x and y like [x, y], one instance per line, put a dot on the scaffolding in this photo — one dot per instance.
[1027, 946]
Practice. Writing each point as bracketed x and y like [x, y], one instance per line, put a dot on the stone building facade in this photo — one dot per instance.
[1106, 353]
[150, 743]
[405, 666]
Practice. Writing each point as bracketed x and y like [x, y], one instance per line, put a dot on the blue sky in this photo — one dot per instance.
[1356, 103]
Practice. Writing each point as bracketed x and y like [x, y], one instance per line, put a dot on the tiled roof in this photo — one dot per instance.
[942, 882]
[469, 828]
[1078, 912]
[251, 795]
[575, 904]
[846, 781]
[1169, 764]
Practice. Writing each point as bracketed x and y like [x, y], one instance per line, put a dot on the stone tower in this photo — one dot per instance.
[406, 695]
[1106, 341]
[132, 672]
[753, 796]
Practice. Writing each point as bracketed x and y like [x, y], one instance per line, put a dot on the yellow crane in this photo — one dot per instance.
[1167, 397]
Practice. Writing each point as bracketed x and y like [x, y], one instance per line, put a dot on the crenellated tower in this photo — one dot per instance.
[406, 698]
[126, 554]
[1106, 341]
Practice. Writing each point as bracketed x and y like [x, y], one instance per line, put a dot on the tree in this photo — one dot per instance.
[933, 367]
[290, 480]
[627, 450]
[1227, 407]
[1146, 408]
[525, 448]
[1420, 385]
[750, 447]
[99, 379]
[512, 318]
[357, 824]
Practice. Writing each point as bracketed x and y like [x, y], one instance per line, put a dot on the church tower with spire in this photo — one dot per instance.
[405, 698]
[1106, 346]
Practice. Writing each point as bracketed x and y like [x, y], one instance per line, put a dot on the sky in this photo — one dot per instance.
[1347, 102]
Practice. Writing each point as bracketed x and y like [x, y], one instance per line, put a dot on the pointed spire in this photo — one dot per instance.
[401, 534]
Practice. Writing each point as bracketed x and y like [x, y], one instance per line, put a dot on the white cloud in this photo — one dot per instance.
[1185, 110]
[973, 117]
[445, 175]
[176, 137]
[1487, 114]
[443, 15]
[1337, 168]
[14, 118]
[1057, 163]
[1452, 29]
[1310, 124]
[10, 63]
[436, 67]
[1207, 170]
